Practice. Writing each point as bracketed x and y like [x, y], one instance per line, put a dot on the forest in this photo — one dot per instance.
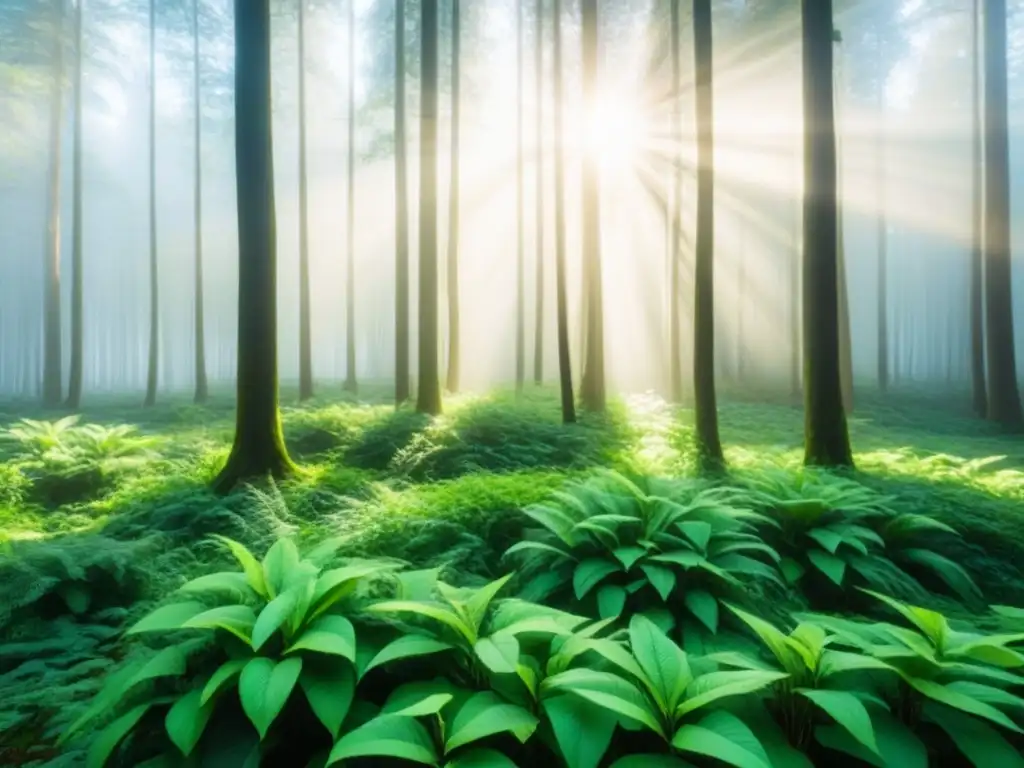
[495, 383]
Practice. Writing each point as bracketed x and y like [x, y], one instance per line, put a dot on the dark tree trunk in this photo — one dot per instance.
[538, 338]
[351, 379]
[520, 234]
[675, 238]
[202, 387]
[709, 444]
[561, 297]
[53, 385]
[402, 368]
[882, 245]
[796, 359]
[452, 377]
[827, 442]
[77, 284]
[152, 371]
[305, 320]
[258, 449]
[592, 388]
[977, 286]
[845, 340]
[1003, 398]
[428, 391]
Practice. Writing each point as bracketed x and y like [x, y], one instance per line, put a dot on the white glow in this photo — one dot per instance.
[617, 133]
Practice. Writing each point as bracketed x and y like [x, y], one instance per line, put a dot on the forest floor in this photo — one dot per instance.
[100, 518]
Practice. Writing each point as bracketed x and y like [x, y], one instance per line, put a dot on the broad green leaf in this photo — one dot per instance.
[955, 577]
[250, 565]
[666, 669]
[997, 697]
[392, 736]
[832, 566]
[485, 714]
[335, 585]
[481, 599]
[407, 647]
[979, 742]
[714, 686]
[583, 730]
[167, 618]
[650, 761]
[898, 747]
[775, 641]
[697, 531]
[555, 520]
[932, 624]
[230, 582]
[537, 546]
[168, 662]
[223, 675]
[499, 652]
[990, 653]
[608, 691]
[109, 738]
[435, 611]
[419, 699]
[682, 557]
[703, 741]
[961, 701]
[847, 710]
[704, 606]
[417, 585]
[272, 617]
[329, 634]
[792, 570]
[628, 555]
[829, 540]
[264, 688]
[589, 573]
[329, 686]
[186, 721]
[736, 731]
[662, 579]
[835, 662]
[278, 565]
[236, 619]
[481, 758]
[611, 599]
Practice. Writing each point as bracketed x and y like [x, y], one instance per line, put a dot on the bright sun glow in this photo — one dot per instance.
[617, 133]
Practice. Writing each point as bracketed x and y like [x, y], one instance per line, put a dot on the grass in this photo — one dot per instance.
[443, 492]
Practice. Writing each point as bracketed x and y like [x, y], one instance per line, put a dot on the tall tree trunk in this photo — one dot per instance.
[351, 381]
[77, 284]
[305, 319]
[845, 340]
[258, 449]
[709, 444]
[428, 391]
[402, 368]
[452, 377]
[561, 295]
[52, 361]
[675, 245]
[154, 277]
[538, 58]
[827, 442]
[1004, 404]
[202, 387]
[796, 358]
[977, 285]
[520, 234]
[882, 245]
[592, 389]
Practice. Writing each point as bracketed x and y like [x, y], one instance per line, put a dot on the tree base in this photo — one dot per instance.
[243, 465]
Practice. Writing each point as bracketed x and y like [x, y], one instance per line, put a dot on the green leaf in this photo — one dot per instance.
[714, 686]
[167, 618]
[832, 566]
[168, 662]
[264, 688]
[477, 604]
[835, 662]
[980, 743]
[419, 699]
[791, 570]
[481, 758]
[955, 577]
[589, 573]
[650, 761]
[608, 691]
[704, 606]
[435, 611]
[250, 565]
[223, 675]
[961, 701]
[537, 546]
[329, 634]
[611, 600]
[662, 579]
[704, 741]
[392, 736]
[829, 540]
[406, 647]
[230, 582]
[628, 555]
[279, 563]
[775, 641]
[236, 619]
[499, 652]
[109, 738]
[847, 710]
[187, 719]
[583, 730]
[666, 669]
[697, 531]
[272, 617]
[417, 585]
[330, 687]
[485, 714]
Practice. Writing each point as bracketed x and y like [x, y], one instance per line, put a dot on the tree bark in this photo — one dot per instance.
[202, 387]
[977, 266]
[675, 249]
[305, 320]
[882, 245]
[845, 340]
[453, 372]
[258, 448]
[77, 284]
[826, 439]
[402, 368]
[152, 371]
[351, 379]
[53, 384]
[428, 391]
[538, 339]
[520, 234]
[709, 444]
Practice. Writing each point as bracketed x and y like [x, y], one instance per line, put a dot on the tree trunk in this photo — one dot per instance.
[428, 391]
[53, 358]
[795, 360]
[520, 234]
[845, 341]
[561, 297]
[154, 277]
[675, 245]
[882, 241]
[452, 377]
[258, 449]
[351, 380]
[977, 285]
[1004, 404]
[592, 389]
[827, 442]
[202, 387]
[709, 444]
[305, 320]
[402, 369]
[538, 339]
[77, 298]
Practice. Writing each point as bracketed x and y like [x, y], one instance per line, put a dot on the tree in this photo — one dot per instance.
[428, 394]
[1004, 404]
[538, 59]
[402, 368]
[305, 321]
[592, 388]
[202, 387]
[154, 277]
[452, 377]
[845, 340]
[561, 297]
[882, 238]
[520, 162]
[827, 442]
[258, 448]
[977, 285]
[52, 359]
[351, 382]
[709, 444]
[675, 216]
[77, 283]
